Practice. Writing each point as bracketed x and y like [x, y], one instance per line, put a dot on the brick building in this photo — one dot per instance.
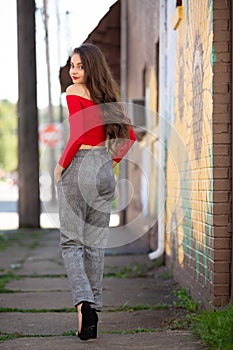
[183, 73]
[176, 62]
[198, 108]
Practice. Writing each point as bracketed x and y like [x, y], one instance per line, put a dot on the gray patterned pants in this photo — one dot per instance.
[85, 194]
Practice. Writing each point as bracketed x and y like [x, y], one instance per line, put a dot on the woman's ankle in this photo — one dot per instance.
[79, 306]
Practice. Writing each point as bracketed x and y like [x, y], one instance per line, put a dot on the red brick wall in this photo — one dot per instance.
[222, 151]
[199, 247]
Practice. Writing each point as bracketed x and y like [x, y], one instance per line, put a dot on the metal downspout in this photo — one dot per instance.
[161, 197]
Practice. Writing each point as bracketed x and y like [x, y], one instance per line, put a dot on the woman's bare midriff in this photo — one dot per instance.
[89, 147]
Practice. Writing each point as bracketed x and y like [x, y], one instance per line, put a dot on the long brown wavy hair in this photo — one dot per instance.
[104, 91]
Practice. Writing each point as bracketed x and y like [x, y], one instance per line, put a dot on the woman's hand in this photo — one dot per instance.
[57, 172]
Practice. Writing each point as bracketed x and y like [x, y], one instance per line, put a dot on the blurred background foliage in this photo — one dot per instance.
[8, 136]
[9, 133]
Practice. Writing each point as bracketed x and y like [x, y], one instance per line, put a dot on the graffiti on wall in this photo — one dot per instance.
[189, 224]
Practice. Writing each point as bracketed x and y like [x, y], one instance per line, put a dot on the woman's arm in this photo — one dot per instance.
[75, 139]
[123, 147]
[57, 172]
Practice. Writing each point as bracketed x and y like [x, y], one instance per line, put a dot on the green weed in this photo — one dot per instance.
[9, 336]
[4, 279]
[182, 323]
[132, 331]
[214, 328]
[27, 238]
[8, 309]
[166, 276]
[137, 270]
[185, 301]
[141, 307]
[69, 333]
[127, 272]
[4, 337]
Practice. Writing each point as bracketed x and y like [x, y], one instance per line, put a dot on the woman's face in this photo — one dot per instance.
[76, 69]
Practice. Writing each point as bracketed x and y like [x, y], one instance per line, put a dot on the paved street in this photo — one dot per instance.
[37, 311]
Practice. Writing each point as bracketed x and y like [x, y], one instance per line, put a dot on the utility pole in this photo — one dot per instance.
[123, 166]
[28, 153]
[50, 107]
[59, 56]
[50, 114]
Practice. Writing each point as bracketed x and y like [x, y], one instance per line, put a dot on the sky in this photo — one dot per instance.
[77, 19]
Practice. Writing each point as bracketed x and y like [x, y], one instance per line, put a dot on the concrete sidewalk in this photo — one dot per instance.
[37, 311]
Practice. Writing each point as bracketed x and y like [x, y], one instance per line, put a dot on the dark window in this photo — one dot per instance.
[144, 82]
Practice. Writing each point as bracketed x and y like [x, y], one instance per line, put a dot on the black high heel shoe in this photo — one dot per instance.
[89, 322]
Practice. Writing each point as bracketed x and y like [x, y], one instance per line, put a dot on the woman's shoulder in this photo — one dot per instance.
[78, 92]
[71, 90]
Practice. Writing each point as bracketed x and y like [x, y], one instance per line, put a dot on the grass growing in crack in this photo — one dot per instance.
[4, 337]
[8, 239]
[166, 276]
[4, 279]
[23, 239]
[126, 272]
[33, 245]
[123, 307]
[185, 301]
[69, 333]
[36, 275]
[182, 323]
[137, 270]
[8, 309]
[132, 331]
[3, 242]
[141, 307]
[9, 336]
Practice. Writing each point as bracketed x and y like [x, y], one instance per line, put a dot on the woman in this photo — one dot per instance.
[85, 179]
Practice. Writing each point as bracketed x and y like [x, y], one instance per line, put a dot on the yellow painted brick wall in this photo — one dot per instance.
[198, 170]
[189, 172]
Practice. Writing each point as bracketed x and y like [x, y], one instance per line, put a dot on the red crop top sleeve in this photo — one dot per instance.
[123, 146]
[87, 128]
[76, 133]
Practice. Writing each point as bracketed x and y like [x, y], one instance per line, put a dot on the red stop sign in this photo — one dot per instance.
[51, 135]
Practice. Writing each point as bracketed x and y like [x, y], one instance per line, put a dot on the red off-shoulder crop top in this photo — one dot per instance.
[87, 128]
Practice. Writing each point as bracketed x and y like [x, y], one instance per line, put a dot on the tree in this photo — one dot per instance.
[28, 153]
[8, 136]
